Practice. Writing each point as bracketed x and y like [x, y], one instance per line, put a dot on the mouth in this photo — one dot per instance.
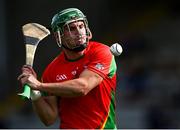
[81, 38]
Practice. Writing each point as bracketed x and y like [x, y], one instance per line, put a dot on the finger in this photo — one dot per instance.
[24, 80]
[29, 69]
[22, 75]
[26, 67]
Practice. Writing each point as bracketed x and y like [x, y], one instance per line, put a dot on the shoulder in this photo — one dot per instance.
[53, 63]
[98, 47]
[56, 60]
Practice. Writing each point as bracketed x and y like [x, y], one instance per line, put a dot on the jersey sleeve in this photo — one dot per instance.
[102, 62]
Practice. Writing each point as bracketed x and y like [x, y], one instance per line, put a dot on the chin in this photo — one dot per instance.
[80, 42]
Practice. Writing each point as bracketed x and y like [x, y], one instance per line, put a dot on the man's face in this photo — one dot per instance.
[74, 34]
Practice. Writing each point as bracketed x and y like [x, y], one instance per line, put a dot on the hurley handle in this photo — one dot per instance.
[26, 94]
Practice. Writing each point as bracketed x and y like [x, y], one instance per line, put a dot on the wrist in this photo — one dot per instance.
[40, 86]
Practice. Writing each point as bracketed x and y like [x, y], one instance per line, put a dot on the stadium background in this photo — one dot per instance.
[148, 90]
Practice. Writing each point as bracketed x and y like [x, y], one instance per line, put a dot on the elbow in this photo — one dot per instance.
[48, 122]
[83, 89]
[83, 92]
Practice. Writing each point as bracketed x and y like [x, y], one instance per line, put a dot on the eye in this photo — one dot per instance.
[81, 26]
[72, 28]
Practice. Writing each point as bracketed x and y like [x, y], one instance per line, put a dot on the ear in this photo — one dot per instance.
[58, 38]
[89, 34]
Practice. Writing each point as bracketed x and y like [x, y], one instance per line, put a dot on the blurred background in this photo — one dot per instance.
[148, 89]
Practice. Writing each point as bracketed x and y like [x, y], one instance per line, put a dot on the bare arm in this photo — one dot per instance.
[76, 87]
[72, 88]
[46, 108]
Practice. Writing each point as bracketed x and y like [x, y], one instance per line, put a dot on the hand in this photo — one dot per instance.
[29, 79]
[28, 69]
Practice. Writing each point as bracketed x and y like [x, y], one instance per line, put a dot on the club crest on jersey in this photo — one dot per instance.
[99, 66]
[85, 66]
[60, 77]
[74, 72]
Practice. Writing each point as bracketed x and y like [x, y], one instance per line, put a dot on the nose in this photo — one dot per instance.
[77, 30]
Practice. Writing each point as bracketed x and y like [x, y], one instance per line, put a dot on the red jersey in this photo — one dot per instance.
[97, 108]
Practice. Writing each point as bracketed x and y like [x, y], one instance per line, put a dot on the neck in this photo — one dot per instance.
[70, 55]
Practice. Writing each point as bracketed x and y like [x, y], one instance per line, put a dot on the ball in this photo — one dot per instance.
[116, 49]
